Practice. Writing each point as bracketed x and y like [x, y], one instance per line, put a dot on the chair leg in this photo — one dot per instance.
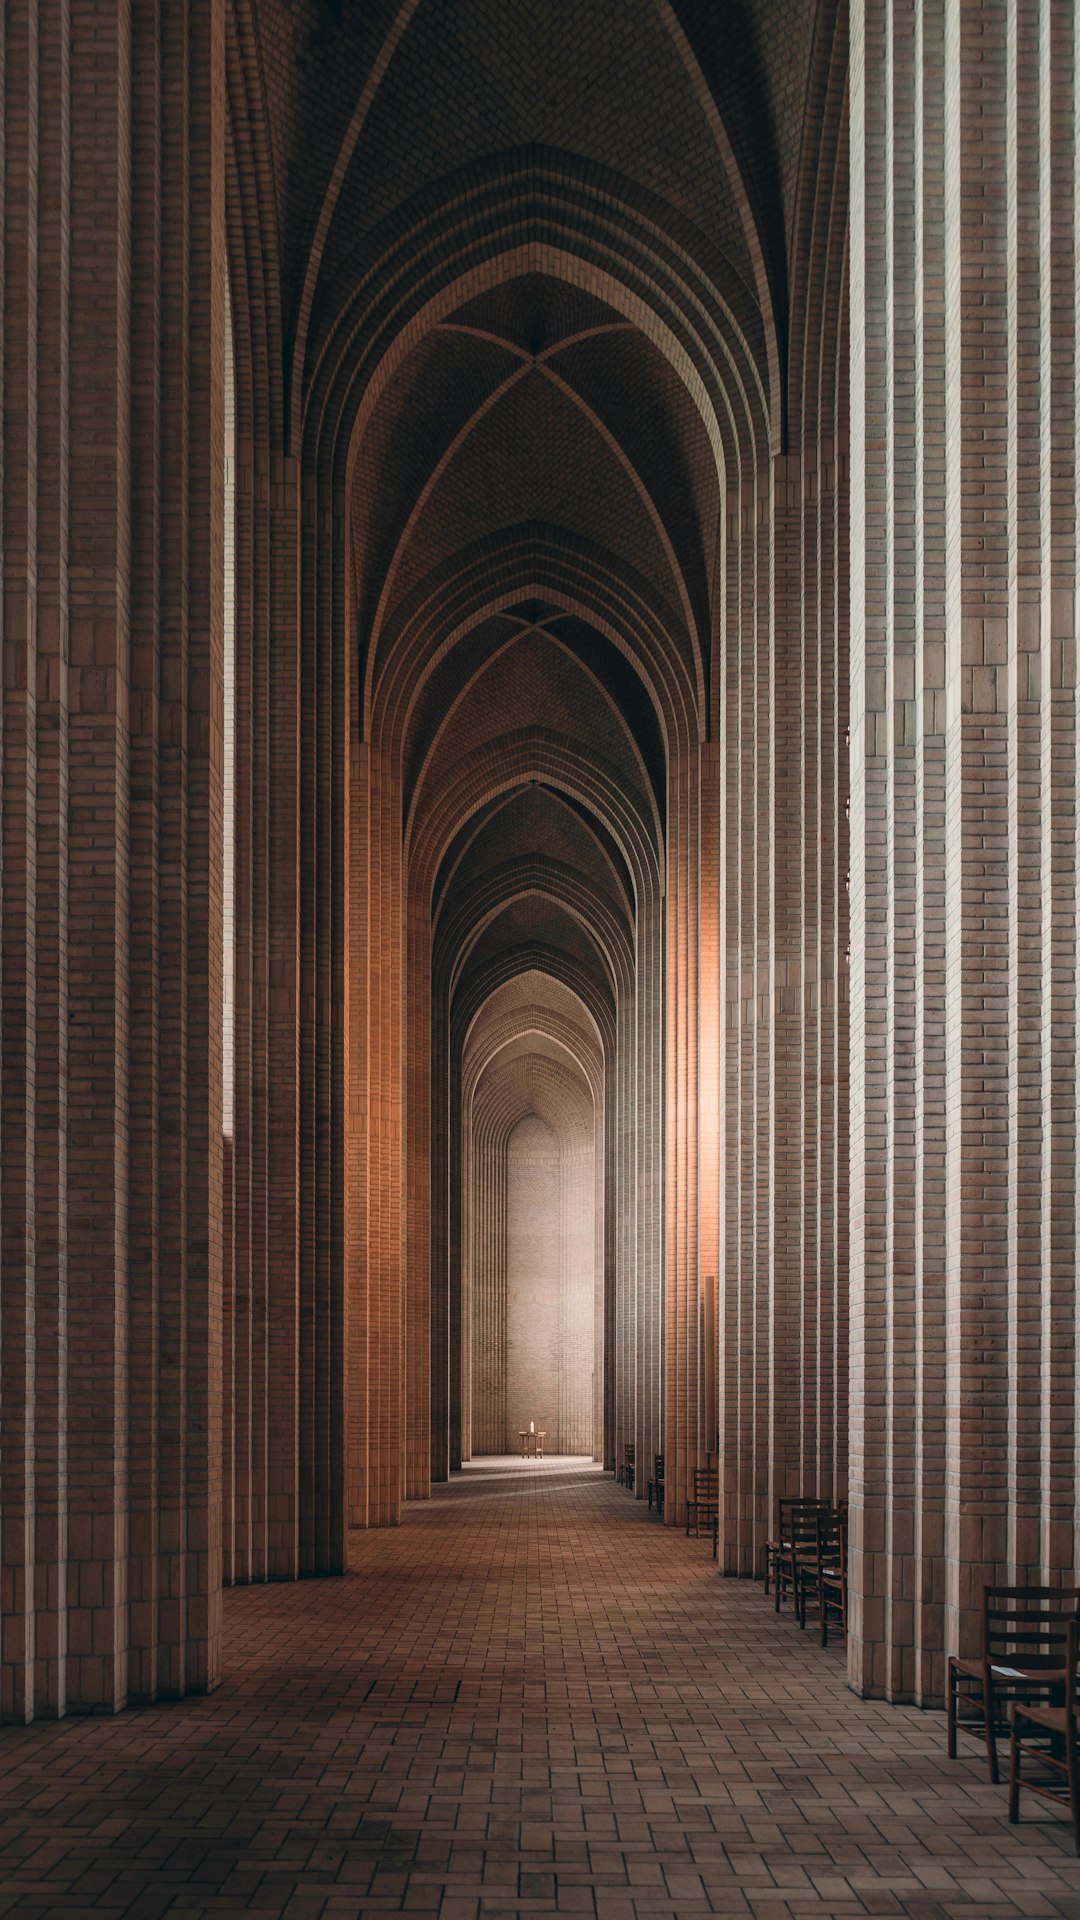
[1014, 1774]
[989, 1718]
[1074, 1785]
[950, 1710]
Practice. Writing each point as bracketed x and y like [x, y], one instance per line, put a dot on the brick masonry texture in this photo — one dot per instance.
[605, 1729]
[963, 687]
[111, 1190]
[640, 441]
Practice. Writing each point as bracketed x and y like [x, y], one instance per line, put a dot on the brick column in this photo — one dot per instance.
[964, 820]
[51, 1194]
[112, 724]
[19, 860]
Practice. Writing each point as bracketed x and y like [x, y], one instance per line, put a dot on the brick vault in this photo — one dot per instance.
[539, 842]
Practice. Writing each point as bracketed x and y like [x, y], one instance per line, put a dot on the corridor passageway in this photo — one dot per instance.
[528, 1699]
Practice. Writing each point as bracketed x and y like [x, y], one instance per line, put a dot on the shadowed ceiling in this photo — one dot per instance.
[534, 283]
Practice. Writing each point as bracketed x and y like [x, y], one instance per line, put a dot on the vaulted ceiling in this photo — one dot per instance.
[534, 280]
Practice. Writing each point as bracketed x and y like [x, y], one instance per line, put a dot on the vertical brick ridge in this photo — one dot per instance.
[283, 1028]
[18, 854]
[51, 1168]
[100, 565]
[1058, 150]
[203, 1517]
[145, 1146]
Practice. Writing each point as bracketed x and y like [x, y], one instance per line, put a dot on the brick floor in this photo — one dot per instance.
[532, 1700]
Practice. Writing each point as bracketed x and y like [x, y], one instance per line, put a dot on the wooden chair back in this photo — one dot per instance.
[1028, 1627]
[1072, 1686]
[797, 1522]
[831, 1530]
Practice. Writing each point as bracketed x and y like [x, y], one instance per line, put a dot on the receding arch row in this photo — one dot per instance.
[532, 1055]
[526, 879]
[482, 983]
[537, 222]
[518, 1031]
[543, 363]
[417, 794]
[606, 852]
[469, 200]
[514, 760]
[549, 564]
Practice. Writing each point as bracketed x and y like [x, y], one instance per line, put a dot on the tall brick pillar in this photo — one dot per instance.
[112, 1161]
[963, 393]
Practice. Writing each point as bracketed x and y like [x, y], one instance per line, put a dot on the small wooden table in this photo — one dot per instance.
[532, 1445]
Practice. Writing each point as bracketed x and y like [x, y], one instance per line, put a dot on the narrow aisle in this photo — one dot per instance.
[533, 1700]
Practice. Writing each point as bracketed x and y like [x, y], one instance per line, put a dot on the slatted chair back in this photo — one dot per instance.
[628, 1465]
[796, 1546]
[1070, 1700]
[830, 1534]
[702, 1507]
[823, 1581]
[832, 1571]
[656, 1484]
[781, 1537]
[1026, 1628]
[798, 1522]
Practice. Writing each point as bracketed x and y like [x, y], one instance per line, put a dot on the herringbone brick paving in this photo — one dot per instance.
[531, 1699]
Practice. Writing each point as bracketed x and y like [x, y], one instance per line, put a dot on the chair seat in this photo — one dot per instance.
[1032, 1676]
[1052, 1719]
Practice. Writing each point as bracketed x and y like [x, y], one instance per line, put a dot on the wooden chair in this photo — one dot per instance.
[822, 1578]
[1024, 1632]
[1049, 1737]
[796, 1548]
[656, 1484]
[833, 1584]
[782, 1537]
[628, 1465]
[702, 1510]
